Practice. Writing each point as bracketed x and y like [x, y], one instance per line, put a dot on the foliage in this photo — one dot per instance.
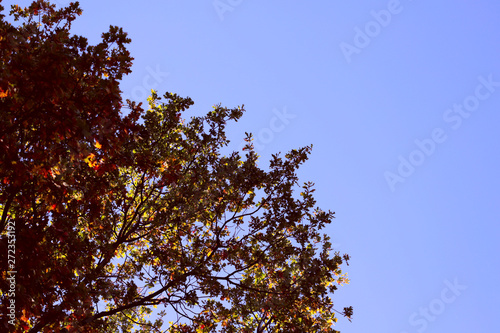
[117, 214]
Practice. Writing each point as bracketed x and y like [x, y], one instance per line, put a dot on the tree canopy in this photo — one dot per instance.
[114, 209]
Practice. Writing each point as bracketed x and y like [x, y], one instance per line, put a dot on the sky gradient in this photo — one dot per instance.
[400, 100]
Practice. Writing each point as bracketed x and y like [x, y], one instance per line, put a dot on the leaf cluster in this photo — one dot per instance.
[116, 214]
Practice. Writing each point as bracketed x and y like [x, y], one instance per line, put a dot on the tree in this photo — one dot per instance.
[113, 214]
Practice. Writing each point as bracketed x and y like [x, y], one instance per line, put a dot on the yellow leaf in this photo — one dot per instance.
[98, 145]
[91, 160]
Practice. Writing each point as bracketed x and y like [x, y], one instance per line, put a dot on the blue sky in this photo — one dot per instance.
[401, 102]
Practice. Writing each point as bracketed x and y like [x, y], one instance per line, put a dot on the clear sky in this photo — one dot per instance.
[401, 102]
